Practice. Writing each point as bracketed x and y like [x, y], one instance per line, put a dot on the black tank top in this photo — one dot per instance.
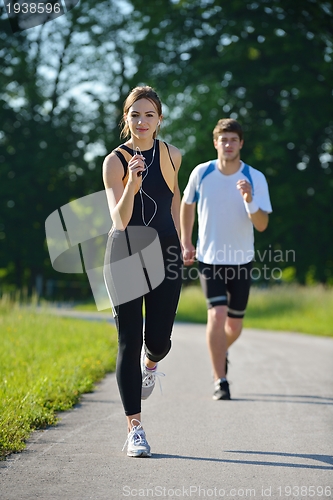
[155, 186]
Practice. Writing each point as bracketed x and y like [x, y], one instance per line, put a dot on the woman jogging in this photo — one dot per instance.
[140, 177]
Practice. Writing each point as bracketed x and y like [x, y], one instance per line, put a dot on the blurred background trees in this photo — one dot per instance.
[62, 85]
[266, 63]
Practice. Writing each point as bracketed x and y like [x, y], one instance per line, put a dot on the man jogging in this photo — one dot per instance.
[232, 197]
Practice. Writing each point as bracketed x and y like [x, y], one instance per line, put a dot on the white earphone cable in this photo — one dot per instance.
[142, 192]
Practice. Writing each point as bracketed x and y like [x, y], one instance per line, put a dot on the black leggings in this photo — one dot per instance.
[160, 309]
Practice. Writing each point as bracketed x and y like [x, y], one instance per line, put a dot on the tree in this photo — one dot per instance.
[267, 63]
[62, 85]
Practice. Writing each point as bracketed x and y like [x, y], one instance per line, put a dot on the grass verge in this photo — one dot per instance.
[288, 308]
[46, 363]
[284, 307]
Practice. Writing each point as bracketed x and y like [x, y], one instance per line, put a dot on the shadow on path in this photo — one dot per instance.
[299, 399]
[326, 459]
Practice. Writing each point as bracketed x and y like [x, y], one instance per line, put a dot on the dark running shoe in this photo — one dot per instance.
[221, 390]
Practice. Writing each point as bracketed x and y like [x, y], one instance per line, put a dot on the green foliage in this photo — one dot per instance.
[46, 363]
[269, 64]
[61, 86]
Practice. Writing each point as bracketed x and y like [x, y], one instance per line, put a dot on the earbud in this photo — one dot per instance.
[159, 123]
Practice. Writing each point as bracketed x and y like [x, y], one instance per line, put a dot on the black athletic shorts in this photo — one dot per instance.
[226, 285]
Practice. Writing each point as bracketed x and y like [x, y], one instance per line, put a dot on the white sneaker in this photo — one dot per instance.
[136, 442]
[148, 378]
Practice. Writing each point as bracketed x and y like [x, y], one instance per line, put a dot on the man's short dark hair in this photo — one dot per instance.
[227, 125]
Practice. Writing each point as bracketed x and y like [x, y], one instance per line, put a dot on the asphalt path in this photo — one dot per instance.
[274, 439]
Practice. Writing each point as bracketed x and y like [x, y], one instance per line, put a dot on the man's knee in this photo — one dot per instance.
[217, 315]
[233, 326]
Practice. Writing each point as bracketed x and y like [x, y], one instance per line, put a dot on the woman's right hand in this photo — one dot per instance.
[136, 166]
[189, 252]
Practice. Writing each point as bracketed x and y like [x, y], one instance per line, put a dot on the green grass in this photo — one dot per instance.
[46, 363]
[298, 309]
[285, 307]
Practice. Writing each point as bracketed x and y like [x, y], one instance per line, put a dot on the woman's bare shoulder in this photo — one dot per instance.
[112, 168]
[175, 155]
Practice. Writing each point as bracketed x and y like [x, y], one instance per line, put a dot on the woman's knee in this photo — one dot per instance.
[156, 351]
